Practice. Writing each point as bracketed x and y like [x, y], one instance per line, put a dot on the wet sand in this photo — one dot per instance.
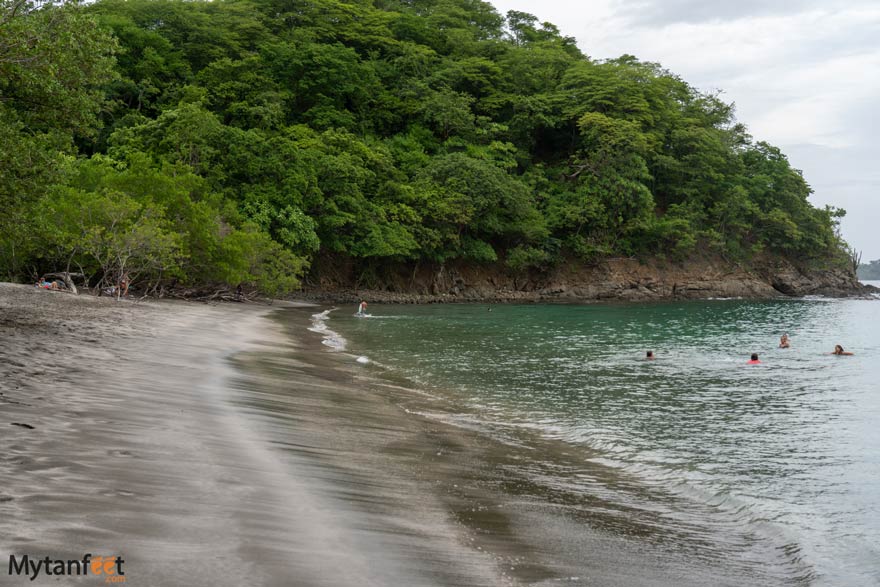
[224, 445]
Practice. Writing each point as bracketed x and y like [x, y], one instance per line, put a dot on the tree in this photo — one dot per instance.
[110, 234]
[53, 63]
[470, 203]
[449, 113]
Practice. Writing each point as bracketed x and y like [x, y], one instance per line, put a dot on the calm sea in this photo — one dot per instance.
[788, 450]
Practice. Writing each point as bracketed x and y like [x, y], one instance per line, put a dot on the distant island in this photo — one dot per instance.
[209, 146]
[870, 271]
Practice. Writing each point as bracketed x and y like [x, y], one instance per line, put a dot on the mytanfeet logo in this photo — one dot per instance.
[108, 568]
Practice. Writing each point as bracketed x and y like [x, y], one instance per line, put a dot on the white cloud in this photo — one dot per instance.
[660, 12]
[812, 103]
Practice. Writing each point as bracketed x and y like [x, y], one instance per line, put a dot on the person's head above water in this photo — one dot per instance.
[838, 350]
[649, 355]
[754, 356]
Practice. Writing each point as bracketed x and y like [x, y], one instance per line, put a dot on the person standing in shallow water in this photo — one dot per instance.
[362, 308]
[754, 360]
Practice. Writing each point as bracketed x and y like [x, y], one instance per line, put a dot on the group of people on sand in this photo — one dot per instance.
[784, 343]
[119, 289]
[42, 283]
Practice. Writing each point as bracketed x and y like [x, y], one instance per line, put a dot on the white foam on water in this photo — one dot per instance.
[332, 338]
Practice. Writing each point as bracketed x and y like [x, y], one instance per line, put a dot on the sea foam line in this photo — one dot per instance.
[332, 338]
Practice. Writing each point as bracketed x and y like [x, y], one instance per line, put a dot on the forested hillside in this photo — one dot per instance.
[236, 141]
[870, 271]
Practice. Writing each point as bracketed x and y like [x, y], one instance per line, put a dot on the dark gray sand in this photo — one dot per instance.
[224, 445]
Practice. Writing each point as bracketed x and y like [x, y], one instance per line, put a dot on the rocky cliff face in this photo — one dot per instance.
[789, 280]
[611, 279]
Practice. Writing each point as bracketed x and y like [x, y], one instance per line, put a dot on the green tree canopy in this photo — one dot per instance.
[239, 140]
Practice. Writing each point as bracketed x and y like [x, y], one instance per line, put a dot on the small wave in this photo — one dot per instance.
[382, 316]
[471, 422]
[820, 298]
[332, 338]
[683, 497]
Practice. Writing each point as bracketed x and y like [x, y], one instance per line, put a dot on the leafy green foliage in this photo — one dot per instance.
[234, 140]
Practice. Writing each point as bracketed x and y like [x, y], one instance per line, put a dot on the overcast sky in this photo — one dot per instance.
[804, 75]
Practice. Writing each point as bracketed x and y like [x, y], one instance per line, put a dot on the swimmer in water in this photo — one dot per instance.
[754, 360]
[838, 350]
[649, 356]
[362, 309]
[784, 342]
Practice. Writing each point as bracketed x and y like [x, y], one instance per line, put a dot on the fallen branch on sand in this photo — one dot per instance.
[221, 295]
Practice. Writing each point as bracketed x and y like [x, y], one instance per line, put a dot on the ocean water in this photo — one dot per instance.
[779, 462]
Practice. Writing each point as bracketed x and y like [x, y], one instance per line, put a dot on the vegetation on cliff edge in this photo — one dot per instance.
[232, 141]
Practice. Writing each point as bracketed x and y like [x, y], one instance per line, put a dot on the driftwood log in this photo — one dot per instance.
[201, 295]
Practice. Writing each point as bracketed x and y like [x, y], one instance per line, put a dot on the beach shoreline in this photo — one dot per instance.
[140, 430]
[226, 445]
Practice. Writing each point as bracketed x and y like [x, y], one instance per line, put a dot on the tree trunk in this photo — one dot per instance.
[68, 279]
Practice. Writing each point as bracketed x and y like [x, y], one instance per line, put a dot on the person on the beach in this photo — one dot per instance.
[754, 360]
[649, 356]
[362, 308]
[838, 350]
[123, 285]
[783, 342]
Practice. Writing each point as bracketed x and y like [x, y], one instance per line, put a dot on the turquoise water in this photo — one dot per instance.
[787, 451]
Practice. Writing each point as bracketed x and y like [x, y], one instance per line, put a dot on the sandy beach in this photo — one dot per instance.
[225, 445]
[124, 432]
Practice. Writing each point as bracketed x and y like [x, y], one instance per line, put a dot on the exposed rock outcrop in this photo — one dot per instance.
[790, 280]
[612, 279]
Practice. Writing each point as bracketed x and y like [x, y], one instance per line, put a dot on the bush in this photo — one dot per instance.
[524, 257]
[250, 256]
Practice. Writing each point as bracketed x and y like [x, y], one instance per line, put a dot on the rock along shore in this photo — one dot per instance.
[626, 280]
